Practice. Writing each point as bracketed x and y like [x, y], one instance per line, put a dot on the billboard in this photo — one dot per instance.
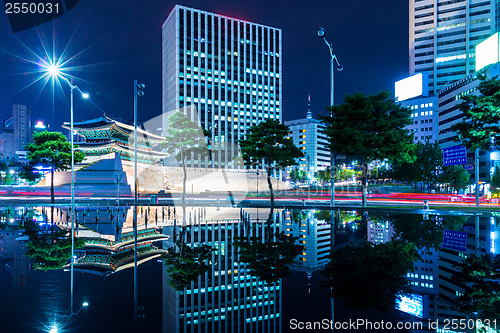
[413, 86]
[412, 304]
[488, 52]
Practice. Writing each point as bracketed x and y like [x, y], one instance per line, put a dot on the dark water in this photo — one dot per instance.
[227, 298]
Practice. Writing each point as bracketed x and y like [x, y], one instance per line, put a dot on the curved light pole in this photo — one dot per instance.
[333, 59]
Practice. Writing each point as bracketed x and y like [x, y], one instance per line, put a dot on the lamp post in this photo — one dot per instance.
[55, 72]
[137, 92]
[333, 59]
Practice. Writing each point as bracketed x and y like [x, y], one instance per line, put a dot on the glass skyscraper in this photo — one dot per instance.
[224, 73]
[443, 35]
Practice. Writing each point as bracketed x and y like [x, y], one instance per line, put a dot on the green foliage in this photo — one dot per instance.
[368, 128]
[425, 167]
[346, 174]
[50, 149]
[185, 263]
[481, 120]
[268, 260]
[429, 157]
[184, 137]
[323, 215]
[455, 176]
[50, 250]
[495, 179]
[298, 215]
[424, 233]
[481, 275]
[324, 175]
[268, 142]
[298, 175]
[5, 175]
[370, 276]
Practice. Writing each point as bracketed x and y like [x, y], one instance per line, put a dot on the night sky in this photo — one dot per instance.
[114, 42]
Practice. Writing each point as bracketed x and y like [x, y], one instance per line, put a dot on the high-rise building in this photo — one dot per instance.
[22, 125]
[412, 92]
[15, 134]
[450, 99]
[224, 72]
[307, 134]
[443, 35]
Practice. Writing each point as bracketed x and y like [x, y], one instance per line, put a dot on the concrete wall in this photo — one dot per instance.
[153, 178]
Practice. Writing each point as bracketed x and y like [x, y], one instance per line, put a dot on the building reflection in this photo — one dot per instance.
[227, 297]
[435, 291]
[315, 235]
[13, 259]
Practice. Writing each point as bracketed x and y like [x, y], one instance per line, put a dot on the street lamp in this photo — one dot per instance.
[138, 91]
[333, 58]
[56, 327]
[55, 72]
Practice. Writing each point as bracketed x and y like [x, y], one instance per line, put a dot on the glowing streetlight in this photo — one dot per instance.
[53, 70]
[333, 59]
[56, 72]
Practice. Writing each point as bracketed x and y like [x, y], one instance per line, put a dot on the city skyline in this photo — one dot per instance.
[114, 49]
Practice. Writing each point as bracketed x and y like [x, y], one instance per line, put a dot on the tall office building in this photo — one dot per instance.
[412, 92]
[307, 134]
[15, 133]
[443, 35]
[224, 72]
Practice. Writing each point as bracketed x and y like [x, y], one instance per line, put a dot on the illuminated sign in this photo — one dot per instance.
[412, 304]
[488, 52]
[413, 86]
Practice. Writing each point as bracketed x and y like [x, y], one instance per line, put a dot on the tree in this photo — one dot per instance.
[267, 142]
[185, 263]
[428, 159]
[5, 174]
[298, 175]
[186, 140]
[480, 127]
[424, 233]
[370, 128]
[495, 179]
[455, 176]
[481, 276]
[52, 150]
[370, 276]
[270, 257]
[324, 175]
[49, 250]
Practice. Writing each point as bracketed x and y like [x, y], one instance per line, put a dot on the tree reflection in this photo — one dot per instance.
[369, 275]
[50, 250]
[185, 263]
[269, 259]
[481, 276]
[424, 232]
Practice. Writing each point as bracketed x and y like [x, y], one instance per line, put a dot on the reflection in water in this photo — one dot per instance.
[184, 263]
[369, 252]
[227, 297]
[371, 275]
